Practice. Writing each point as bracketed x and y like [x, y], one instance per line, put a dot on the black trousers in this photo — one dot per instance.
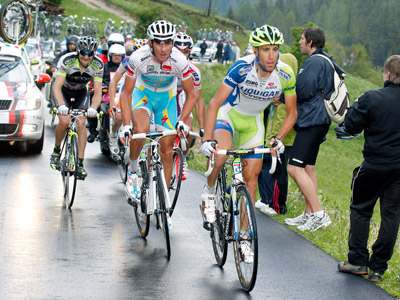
[273, 188]
[368, 185]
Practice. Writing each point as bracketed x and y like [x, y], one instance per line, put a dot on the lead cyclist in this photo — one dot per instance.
[150, 86]
[250, 85]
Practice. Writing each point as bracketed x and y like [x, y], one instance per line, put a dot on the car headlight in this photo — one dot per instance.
[28, 103]
[27, 128]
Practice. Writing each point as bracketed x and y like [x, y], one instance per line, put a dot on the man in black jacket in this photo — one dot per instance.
[312, 125]
[378, 114]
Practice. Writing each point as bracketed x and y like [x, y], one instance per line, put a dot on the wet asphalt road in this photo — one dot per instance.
[94, 251]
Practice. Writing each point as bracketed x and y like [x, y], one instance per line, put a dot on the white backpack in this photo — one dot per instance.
[339, 102]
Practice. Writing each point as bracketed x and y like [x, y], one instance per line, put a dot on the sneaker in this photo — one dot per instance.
[246, 253]
[208, 206]
[300, 220]
[259, 204]
[374, 276]
[346, 267]
[268, 210]
[55, 161]
[114, 148]
[185, 171]
[314, 223]
[80, 173]
[132, 186]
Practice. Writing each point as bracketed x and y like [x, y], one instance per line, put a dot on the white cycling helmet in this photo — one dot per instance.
[115, 38]
[116, 49]
[161, 30]
[183, 41]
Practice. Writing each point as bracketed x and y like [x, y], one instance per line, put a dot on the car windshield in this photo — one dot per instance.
[12, 69]
[32, 49]
[46, 46]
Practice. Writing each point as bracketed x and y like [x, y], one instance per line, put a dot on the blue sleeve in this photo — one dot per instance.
[237, 73]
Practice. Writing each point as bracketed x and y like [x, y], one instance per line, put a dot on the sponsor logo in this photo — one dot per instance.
[97, 62]
[284, 75]
[251, 83]
[271, 84]
[173, 59]
[244, 70]
[257, 94]
[196, 77]
[145, 58]
[150, 68]
[230, 79]
[166, 68]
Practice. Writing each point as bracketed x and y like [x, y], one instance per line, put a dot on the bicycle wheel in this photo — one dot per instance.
[70, 162]
[18, 11]
[176, 178]
[245, 243]
[142, 218]
[220, 245]
[163, 210]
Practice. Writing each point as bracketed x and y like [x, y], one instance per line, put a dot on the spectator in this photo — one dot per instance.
[227, 52]
[203, 48]
[312, 125]
[273, 188]
[236, 51]
[378, 176]
[103, 41]
[220, 47]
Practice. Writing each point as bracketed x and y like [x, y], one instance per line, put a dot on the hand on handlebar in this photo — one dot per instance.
[208, 147]
[91, 112]
[277, 147]
[126, 132]
[63, 110]
[111, 112]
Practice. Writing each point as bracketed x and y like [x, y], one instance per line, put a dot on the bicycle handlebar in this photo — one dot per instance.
[138, 136]
[242, 152]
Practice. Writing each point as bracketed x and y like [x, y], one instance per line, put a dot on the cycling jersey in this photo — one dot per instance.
[69, 66]
[155, 76]
[250, 94]
[156, 84]
[180, 95]
[243, 110]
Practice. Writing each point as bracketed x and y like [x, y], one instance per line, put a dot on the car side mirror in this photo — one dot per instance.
[42, 78]
[35, 62]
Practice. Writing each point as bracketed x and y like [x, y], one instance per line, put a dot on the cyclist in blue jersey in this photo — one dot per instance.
[150, 86]
[251, 84]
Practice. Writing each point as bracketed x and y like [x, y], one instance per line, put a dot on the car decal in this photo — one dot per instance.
[15, 117]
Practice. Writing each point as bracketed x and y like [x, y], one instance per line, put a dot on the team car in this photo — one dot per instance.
[22, 114]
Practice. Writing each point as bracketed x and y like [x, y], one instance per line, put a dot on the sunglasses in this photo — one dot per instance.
[88, 53]
[166, 42]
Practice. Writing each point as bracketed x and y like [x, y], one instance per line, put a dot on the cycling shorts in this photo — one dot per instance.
[250, 128]
[306, 145]
[81, 98]
[163, 104]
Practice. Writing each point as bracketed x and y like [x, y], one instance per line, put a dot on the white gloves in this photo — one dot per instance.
[126, 131]
[63, 110]
[180, 125]
[207, 147]
[91, 112]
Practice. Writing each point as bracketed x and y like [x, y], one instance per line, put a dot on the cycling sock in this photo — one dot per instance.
[319, 214]
[209, 190]
[57, 149]
[80, 162]
[133, 167]
[113, 134]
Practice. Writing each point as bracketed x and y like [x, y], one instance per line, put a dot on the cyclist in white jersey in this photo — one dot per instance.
[250, 86]
[185, 44]
[152, 76]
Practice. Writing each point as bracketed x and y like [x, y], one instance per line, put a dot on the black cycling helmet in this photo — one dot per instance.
[87, 43]
[72, 40]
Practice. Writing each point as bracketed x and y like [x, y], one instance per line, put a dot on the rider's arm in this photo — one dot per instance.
[200, 107]
[125, 99]
[291, 116]
[96, 99]
[58, 83]
[112, 90]
[211, 116]
[190, 99]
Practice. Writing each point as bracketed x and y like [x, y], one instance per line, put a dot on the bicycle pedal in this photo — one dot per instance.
[131, 202]
[206, 226]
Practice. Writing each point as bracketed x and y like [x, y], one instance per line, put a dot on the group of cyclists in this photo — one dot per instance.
[157, 87]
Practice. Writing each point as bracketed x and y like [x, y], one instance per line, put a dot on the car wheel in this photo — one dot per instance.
[36, 146]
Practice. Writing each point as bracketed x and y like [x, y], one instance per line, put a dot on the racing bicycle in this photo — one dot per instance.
[235, 217]
[69, 158]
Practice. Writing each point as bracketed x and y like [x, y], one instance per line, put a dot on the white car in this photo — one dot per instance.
[210, 54]
[22, 105]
